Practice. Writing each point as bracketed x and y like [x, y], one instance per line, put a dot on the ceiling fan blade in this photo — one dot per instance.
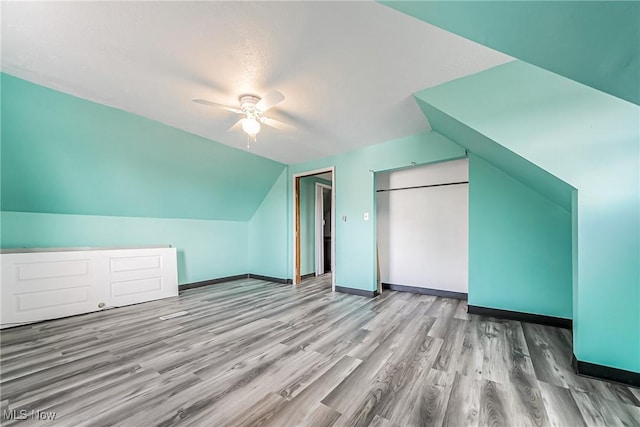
[236, 126]
[215, 104]
[269, 100]
[277, 124]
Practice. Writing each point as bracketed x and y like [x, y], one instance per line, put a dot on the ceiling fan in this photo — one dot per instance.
[252, 108]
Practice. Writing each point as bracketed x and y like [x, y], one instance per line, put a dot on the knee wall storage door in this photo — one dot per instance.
[422, 222]
[52, 283]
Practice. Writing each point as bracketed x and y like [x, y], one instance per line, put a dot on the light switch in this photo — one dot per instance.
[366, 216]
[344, 218]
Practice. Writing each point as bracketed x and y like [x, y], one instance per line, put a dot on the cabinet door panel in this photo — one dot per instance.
[37, 286]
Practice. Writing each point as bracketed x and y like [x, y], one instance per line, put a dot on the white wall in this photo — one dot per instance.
[423, 232]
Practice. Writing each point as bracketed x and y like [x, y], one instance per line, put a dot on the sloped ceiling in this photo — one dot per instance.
[66, 155]
[596, 43]
[347, 69]
[506, 160]
[568, 129]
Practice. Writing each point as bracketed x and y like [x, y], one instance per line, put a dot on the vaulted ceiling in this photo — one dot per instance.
[347, 69]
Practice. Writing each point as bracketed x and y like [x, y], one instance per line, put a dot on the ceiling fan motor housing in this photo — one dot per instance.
[248, 102]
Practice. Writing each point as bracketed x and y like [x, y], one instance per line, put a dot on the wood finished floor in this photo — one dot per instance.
[257, 353]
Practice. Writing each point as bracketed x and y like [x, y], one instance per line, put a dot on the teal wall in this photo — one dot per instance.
[308, 223]
[520, 245]
[520, 242]
[590, 140]
[268, 233]
[206, 249]
[62, 154]
[76, 173]
[355, 194]
[596, 43]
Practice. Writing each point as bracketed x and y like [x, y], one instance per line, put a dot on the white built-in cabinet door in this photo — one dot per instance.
[51, 284]
[136, 277]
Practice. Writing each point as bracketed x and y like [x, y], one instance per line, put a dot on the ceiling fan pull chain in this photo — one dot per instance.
[251, 138]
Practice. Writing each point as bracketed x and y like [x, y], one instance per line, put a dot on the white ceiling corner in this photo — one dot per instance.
[347, 69]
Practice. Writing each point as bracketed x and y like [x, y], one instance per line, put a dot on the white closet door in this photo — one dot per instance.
[423, 232]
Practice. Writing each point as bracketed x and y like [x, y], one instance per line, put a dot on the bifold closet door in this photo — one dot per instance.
[423, 230]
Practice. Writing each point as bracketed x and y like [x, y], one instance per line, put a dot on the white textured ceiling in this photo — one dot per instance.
[347, 69]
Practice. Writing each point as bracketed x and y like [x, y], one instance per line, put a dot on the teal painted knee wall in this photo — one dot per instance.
[206, 249]
[519, 246]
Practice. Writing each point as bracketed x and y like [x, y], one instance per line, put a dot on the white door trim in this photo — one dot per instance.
[294, 177]
[319, 225]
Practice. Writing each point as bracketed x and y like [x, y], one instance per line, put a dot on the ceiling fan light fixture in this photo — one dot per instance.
[252, 109]
[251, 126]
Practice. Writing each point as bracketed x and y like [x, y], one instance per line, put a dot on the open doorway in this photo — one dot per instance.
[323, 226]
[314, 225]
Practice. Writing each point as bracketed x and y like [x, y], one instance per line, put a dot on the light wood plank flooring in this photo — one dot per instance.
[257, 353]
